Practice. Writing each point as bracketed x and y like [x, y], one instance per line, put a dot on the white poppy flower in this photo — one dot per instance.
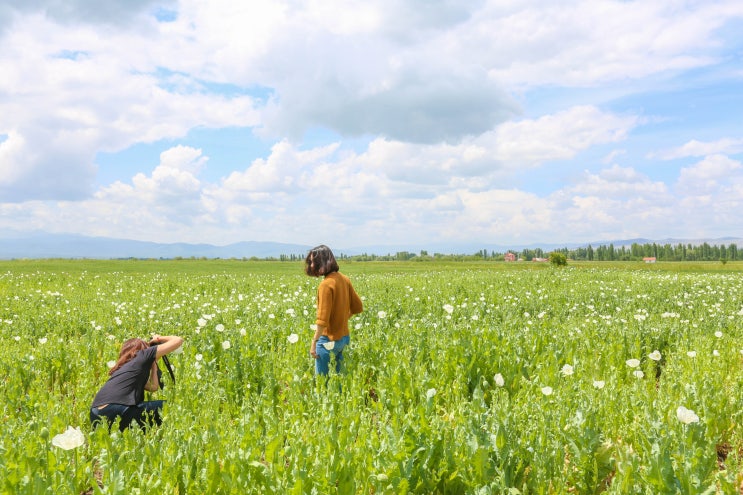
[226, 345]
[293, 338]
[686, 416]
[655, 355]
[382, 314]
[111, 364]
[633, 363]
[547, 390]
[638, 373]
[448, 308]
[220, 327]
[692, 354]
[70, 439]
[567, 370]
[599, 384]
[498, 378]
[430, 393]
[718, 334]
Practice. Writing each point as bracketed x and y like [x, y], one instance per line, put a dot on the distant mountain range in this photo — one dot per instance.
[44, 245]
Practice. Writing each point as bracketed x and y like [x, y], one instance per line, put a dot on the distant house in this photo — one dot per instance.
[509, 257]
[540, 260]
[650, 259]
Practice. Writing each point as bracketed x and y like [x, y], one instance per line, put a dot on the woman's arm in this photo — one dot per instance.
[153, 384]
[356, 305]
[167, 344]
[319, 330]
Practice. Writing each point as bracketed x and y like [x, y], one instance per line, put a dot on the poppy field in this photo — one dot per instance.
[460, 378]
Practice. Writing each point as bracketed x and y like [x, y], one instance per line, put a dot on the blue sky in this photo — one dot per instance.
[358, 123]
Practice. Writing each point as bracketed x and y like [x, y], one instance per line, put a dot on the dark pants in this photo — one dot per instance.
[144, 414]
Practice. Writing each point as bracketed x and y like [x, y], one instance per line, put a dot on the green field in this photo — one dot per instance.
[462, 377]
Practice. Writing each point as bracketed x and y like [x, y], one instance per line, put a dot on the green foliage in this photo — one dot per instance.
[461, 378]
[558, 259]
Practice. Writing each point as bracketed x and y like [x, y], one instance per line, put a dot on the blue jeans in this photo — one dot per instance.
[322, 363]
[144, 414]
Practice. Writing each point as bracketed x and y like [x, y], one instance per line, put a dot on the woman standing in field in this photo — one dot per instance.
[336, 302]
[122, 396]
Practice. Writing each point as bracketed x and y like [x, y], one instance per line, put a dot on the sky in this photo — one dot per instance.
[372, 122]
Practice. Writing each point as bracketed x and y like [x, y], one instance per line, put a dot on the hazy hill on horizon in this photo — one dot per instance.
[40, 245]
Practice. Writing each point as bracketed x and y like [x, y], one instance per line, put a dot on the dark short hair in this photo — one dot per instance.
[320, 261]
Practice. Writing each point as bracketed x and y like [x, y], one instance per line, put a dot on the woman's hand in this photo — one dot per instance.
[167, 343]
[319, 330]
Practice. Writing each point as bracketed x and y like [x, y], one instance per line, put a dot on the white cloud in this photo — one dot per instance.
[619, 182]
[71, 100]
[331, 204]
[183, 158]
[280, 172]
[500, 153]
[714, 175]
[559, 136]
[702, 148]
[171, 195]
[582, 43]
[73, 12]
[614, 203]
[710, 195]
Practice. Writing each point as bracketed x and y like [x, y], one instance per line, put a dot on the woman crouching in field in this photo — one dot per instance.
[336, 302]
[122, 396]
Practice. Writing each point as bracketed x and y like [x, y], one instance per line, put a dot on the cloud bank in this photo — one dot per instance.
[385, 120]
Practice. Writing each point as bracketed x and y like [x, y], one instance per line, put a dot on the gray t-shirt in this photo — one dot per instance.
[126, 385]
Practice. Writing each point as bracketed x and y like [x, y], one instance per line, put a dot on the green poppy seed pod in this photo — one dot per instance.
[44, 433]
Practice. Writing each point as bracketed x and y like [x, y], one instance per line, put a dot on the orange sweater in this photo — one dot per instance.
[336, 302]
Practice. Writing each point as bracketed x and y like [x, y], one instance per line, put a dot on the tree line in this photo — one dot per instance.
[661, 252]
[633, 252]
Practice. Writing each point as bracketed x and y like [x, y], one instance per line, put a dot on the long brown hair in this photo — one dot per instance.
[129, 349]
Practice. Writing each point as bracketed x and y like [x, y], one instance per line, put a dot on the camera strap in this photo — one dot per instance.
[169, 368]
